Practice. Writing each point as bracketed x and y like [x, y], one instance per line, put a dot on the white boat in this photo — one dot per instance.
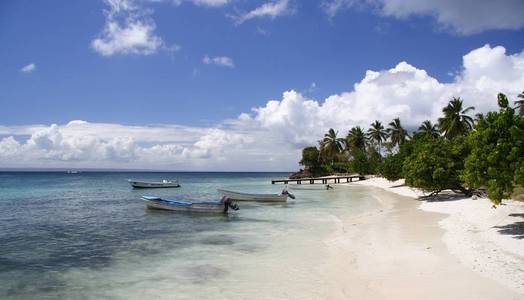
[310, 187]
[154, 184]
[239, 196]
[219, 206]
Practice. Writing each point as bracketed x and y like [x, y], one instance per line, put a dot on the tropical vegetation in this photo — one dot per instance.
[460, 153]
[331, 145]
[397, 133]
[519, 104]
[456, 121]
[377, 134]
[496, 161]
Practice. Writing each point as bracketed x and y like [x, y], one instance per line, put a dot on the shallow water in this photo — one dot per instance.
[88, 235]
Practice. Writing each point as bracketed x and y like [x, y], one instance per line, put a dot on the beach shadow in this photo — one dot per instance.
[515, 229]
[398, 185]
[443, 197]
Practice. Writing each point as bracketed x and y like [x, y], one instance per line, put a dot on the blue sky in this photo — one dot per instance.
[202, 63]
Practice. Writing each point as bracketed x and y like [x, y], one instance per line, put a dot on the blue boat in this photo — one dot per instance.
[219, 206]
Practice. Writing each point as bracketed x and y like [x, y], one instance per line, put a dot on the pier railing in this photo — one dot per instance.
[320, 180]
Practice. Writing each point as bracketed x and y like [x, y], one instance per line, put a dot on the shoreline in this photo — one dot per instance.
[487, 241]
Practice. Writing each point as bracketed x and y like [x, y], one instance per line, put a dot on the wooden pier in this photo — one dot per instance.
[320, 180]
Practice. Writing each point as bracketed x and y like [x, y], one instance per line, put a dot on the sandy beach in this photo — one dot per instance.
[455, 248]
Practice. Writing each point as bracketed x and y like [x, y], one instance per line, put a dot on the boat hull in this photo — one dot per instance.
[190, 207]
[317, 187]
[253, 197]
[149, 185]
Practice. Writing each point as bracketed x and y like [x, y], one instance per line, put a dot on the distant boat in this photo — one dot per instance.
[239, 196]
[310, 187]
[154, 184]
[72, 172]
[219, 206]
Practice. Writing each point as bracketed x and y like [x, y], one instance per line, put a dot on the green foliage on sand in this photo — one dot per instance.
[436, 164]
[497, 156]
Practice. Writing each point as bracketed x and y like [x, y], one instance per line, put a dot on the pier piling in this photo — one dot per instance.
[323, 180]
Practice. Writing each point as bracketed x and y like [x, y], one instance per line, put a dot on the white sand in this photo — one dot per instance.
[487, 240]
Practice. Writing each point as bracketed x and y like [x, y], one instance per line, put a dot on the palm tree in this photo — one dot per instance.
[429, 129]
[356, 139]
[478, 117]
[331, 145]
[397, 133]
[377, 133]
[455, 121]
[519, 104]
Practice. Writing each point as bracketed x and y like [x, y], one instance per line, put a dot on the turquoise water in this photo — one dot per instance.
[89, 236]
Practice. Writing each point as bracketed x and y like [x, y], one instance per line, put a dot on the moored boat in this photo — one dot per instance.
[153, 184]
[239, 196]
[310, 187]
[219, 206]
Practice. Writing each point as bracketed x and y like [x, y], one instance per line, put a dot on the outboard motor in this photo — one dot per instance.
[329, 187]
[285, 192]
[228, 203]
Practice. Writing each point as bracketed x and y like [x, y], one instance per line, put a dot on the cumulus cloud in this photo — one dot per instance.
[128, 30]
[462, 17]
[271, 136]
[270, 10]
[30, 68]
[223, 61]
[403, 91]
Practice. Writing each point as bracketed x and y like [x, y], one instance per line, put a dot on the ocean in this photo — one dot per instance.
[89, 236]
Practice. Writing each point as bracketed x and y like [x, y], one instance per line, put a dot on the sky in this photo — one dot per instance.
[237, 85]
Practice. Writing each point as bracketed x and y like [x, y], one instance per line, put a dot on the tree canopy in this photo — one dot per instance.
[429, 129]
[377, 134]
[397, 133]
[455, 121]
[311, 160]
[356, 140]
[497, 155]
[331, 145]
[435, 164]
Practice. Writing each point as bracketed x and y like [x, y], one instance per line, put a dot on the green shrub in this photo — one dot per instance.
[360, 163]
[436, 164]
[496, 161]
[340, 167]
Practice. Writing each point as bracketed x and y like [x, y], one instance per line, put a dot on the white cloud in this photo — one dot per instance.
[270, 137]
[30, 68]
[332, 7]
[9, 147]
[459, 16]
[208, 3]
[136, 37]
[128, 30]
[223, 61]
[270, 10]
[262, 31]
